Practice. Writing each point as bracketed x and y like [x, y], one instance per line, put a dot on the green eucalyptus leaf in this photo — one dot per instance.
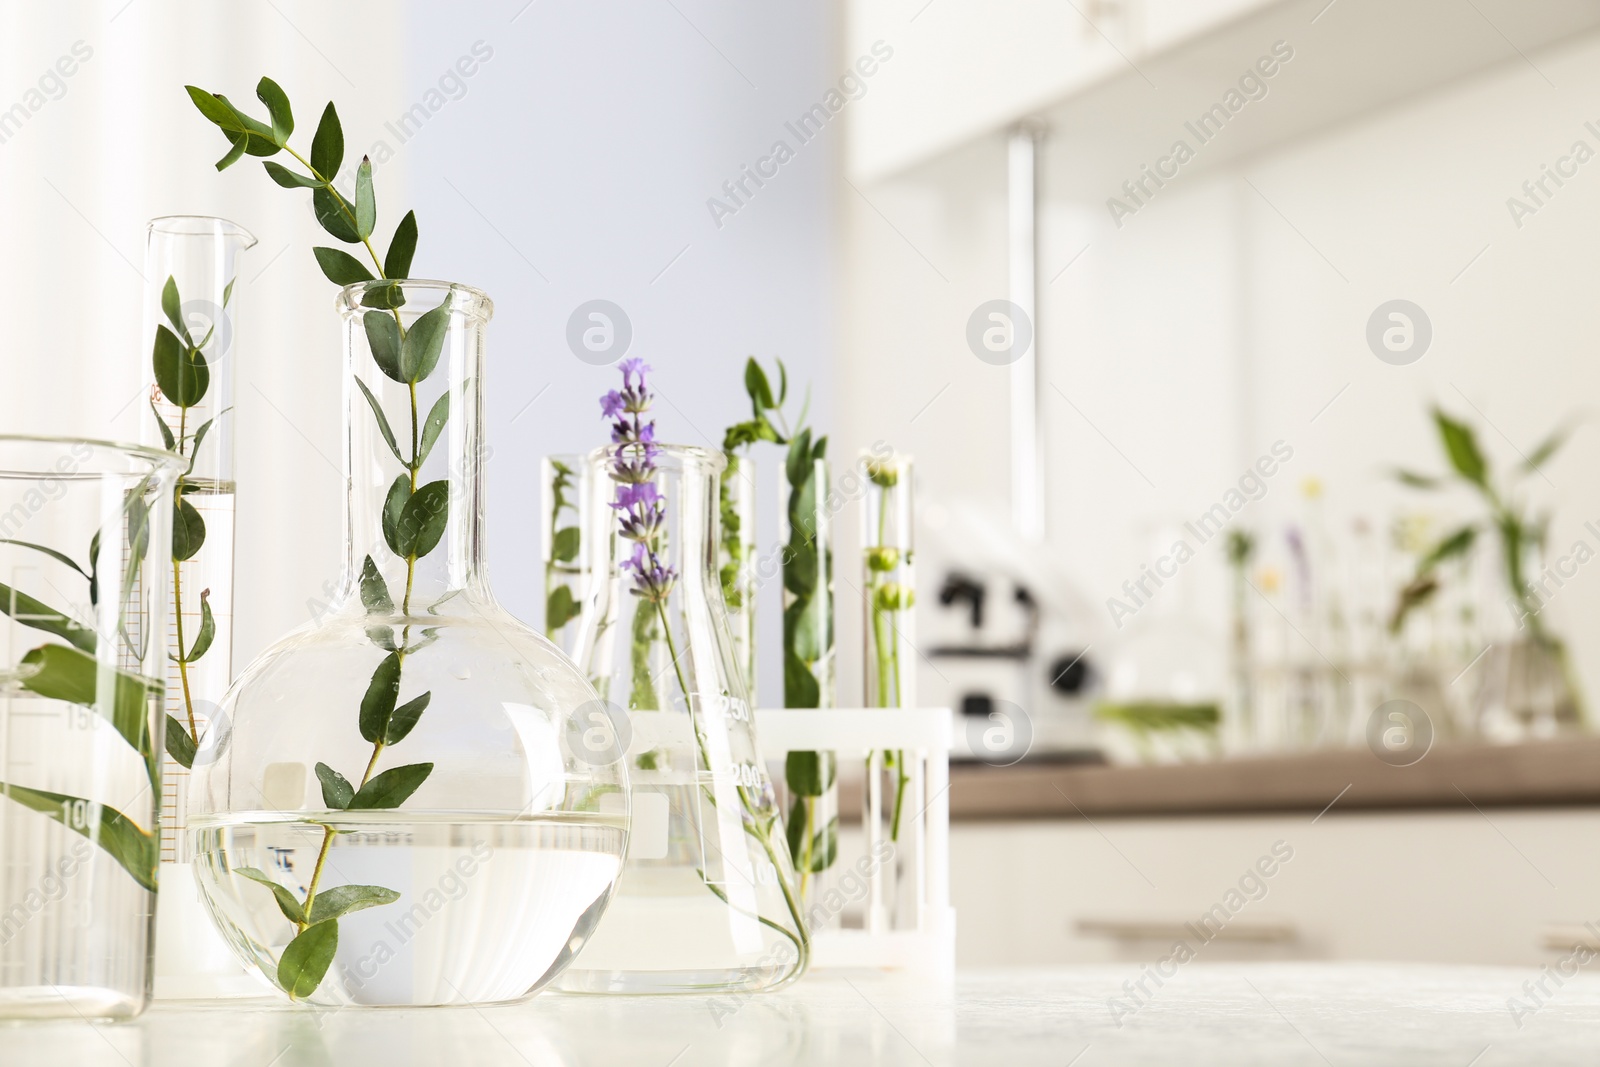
[404, 718]
[422, 522]
[393, 507]
[118, 835]
[327, 147]
[783, 383]
[257, 134]
[810, 774]
[825, 846]
[212, 107]
[188, 530]
[374, 591]
[800, 688]
[794, 831]
[277, 101]
[40, 616]
[208, 629]
[288, 903]
[429, 634]
[227, 292]
[755, 383]
[397, 264]
[802, 630]
[200, 435]
[799, 564]
[306, 959]
[567, 541]
[340, 267]
[819, 451]
[1457, 544]
[366, 203]
[391, 788]
[288, 178]
[798, 463]
[172, 308]
[433, 427]
[180, 746]
[61, 672]
[419, 353]
[1547, 448]
[1461, 446]
[560, 608]
[334, 216]
[383, 422]
[166, 431]
[1417, 481]
[383, 296]
[235, 153]
[377, 705]
[383, 337]
[343, 899]
[803, 518]
[181, 372]
[336, 788]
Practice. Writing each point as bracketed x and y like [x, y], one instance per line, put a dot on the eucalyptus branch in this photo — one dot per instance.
[414, 517]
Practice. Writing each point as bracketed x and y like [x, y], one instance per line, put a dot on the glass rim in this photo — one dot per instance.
[159, 460]
[478, 306]
[200, 226]
[684, 454]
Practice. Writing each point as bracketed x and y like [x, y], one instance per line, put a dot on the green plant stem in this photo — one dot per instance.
[886, 653]
[328, 832]
[177, 593]
[800, 938]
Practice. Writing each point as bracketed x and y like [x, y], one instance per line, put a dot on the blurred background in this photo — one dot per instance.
[1244, 348]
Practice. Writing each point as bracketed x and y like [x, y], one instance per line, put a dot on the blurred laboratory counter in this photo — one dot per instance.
[1202, 1014]
[1563, 772]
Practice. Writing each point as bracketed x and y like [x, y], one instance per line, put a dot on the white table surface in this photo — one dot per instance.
[1225, 1014]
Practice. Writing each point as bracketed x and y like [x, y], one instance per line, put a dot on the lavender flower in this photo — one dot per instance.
[641, 509]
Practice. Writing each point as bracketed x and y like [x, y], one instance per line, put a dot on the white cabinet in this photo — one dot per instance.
[1487, 887]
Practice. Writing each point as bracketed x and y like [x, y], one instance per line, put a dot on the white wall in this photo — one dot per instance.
[578, 166]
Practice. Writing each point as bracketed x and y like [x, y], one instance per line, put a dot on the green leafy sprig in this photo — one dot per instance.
[807, 559]
[806, 631]
[414, 516]
[736, 442]
[560, 606]
[72, 673]
[183, 374]
[1519, 532]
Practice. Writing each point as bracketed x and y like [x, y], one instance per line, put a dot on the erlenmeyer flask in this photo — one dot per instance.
[707, 897]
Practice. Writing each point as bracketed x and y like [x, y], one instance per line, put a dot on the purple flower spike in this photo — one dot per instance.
[641, 510]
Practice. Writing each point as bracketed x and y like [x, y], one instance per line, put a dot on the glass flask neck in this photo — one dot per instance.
[414, 356]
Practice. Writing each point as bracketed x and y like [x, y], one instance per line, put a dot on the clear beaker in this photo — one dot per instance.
[84, 537]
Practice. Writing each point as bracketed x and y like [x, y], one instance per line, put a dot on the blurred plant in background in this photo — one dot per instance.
[1533, 670]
